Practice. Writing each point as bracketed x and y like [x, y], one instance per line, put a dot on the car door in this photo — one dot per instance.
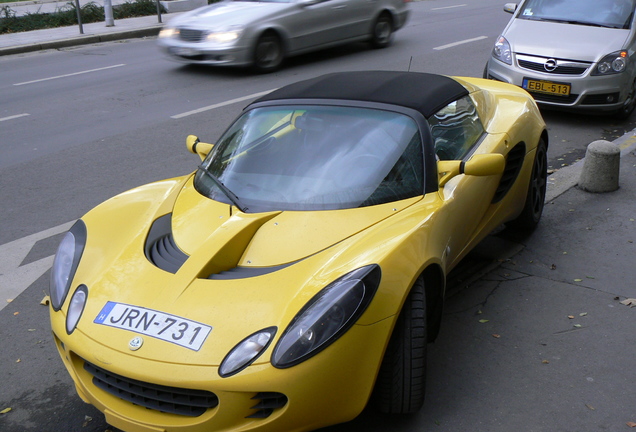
[457, 132]
[318, 23]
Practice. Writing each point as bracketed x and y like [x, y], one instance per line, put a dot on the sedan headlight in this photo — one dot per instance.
[613, 63]
[327, 316]
[65, 263]
[246, 352]
[167, 32]
[224, 36]
[502, 51]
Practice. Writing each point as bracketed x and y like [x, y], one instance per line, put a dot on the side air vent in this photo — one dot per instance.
[161, 249]
[514, 161]
[246, 272]
[268, 402]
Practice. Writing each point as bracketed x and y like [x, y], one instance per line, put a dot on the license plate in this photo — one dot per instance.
[549, 87]
[170, 328]
[187, 52]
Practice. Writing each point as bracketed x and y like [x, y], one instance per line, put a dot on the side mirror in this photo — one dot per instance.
[197, 147]
[480, 165]
[510, 7]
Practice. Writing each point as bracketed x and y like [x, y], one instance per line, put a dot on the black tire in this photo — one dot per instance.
[382, 31]
[401, 382]
[268, 53]
[535, 199]
[485, 74]
[628, 107]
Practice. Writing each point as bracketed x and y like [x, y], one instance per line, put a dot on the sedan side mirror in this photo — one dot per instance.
[510, 7]
[478, 165]
[197, 147]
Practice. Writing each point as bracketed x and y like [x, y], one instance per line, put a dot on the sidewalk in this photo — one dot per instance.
[61, 37]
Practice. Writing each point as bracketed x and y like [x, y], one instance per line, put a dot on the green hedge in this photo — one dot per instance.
[67, 15]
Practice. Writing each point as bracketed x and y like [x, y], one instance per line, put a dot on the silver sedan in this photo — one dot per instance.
[262, 33]
[570, 54]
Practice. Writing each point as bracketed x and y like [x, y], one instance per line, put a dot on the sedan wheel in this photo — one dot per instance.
[268, 53]
[382, 32]
[401, 381]
[535, 200]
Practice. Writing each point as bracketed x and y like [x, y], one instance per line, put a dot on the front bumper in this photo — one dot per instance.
[594, 93]
[205, 53]
[329, 388]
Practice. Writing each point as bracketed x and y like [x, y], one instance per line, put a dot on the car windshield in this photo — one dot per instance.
[601, 13]
[314, 158]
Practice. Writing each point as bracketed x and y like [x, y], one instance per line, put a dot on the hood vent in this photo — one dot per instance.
[160, 247]
[246, 272]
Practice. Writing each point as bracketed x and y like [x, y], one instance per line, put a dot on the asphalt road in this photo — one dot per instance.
[80, 125]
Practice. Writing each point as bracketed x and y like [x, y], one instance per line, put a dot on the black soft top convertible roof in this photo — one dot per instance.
[426, 93]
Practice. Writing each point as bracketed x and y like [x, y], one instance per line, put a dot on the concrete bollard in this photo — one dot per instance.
[601, 167]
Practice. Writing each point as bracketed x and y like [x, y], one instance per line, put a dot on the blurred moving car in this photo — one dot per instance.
[262, 33]
[300, 271]
[571, 54]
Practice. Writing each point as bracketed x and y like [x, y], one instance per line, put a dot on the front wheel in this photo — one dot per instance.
[401, 381]
[630, 103]
[535, 199]
[268, 53]
[382, 32]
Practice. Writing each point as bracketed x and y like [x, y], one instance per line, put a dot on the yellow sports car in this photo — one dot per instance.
[298, 274]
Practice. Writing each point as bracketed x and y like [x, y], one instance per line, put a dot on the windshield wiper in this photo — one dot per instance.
[575, 22]
[227, 192]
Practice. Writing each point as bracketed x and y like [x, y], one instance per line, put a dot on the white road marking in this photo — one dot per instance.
[14, 117]
[15, 278]
[450, 45]
[69, 75]
[221, 104]
[449, 7]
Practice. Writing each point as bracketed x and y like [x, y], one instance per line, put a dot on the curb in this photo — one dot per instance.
[568, 177]
[83, 40]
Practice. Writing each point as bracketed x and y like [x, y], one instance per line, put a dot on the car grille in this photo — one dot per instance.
[185, 402]
[268, 402]
[601, 99]
[544, 97]
[190, 35]
[562, 67]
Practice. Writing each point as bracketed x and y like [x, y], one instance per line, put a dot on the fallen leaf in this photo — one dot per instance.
[631, 302]
[6, 410]
[18, 361]
[583, 314]
[630, 424]
[590, 407]
[45, 301]
[9, 300]
[571, 316]
[483, 321]
[495, 335]
[577, 325]
[553, 267]
[578, 280]
[31, 330]
[16, 313]
[545, 362]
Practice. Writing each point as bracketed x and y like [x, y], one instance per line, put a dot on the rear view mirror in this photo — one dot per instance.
[197, 147]
[478, 165]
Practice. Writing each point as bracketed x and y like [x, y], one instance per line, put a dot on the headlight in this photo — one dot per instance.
[76, 307]
[613, 63]
[502, 51]
[327, 316]
[248, 350]
[223, 36]
[167, 32]
[65, 263]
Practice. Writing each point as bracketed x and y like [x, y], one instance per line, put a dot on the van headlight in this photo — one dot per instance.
[502, 51]
[613, 63]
